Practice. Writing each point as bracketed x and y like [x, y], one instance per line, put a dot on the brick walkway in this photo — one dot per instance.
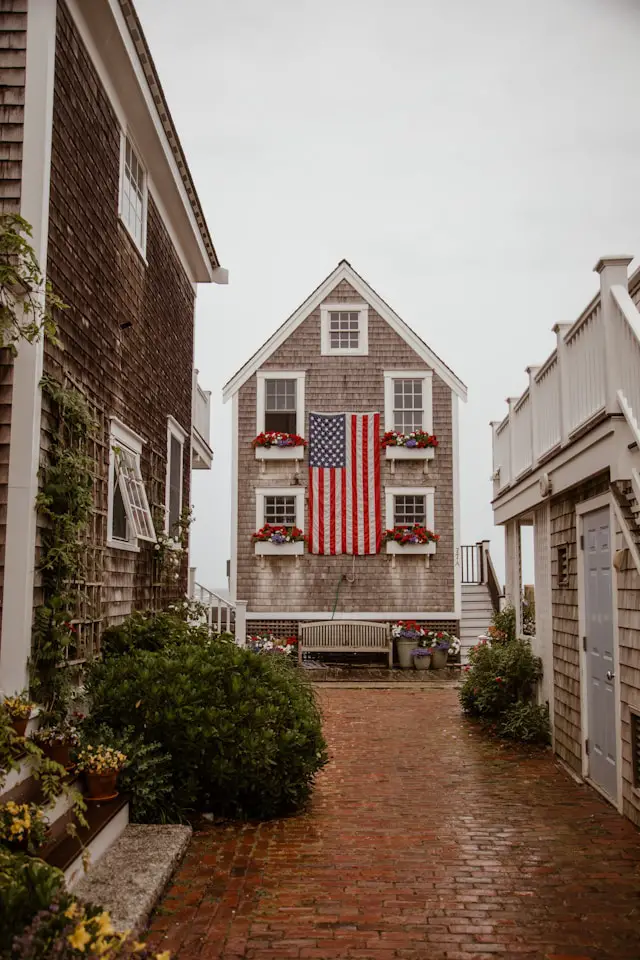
[424, 842]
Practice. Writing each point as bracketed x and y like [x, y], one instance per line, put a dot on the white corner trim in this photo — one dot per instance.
[427, 492]
[427, 395]
[362, 309]
[262, 492]
[344, 271]
[455, 443]
[233, 566]
[299, 377]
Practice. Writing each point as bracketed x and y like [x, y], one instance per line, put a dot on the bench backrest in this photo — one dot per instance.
[341, 635]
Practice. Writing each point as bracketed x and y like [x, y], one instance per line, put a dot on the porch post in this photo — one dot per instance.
[613, 272]
[560, 330]
[513, 570]
[241, 622]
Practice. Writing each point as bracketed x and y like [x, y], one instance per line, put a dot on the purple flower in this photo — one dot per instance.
[411, 443]
[278, 538]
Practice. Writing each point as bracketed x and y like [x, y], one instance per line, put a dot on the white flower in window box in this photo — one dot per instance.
[277, 540]
[417, 445]
[279, 446]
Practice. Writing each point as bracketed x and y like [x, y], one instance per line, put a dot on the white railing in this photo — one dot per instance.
[548, 428]
[502, 453]
[626, 337]
[585, 368]
[521, 426]
[593, 372]
[223, 616]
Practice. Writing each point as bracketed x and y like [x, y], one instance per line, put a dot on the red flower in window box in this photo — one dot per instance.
[274, 439]
[409, 535]
[277, 533]
[416, 440]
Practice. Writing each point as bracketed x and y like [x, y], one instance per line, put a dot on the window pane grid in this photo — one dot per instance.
[280, 396]
[344, 330]
[408, 406]
[134, 494]
[409, 509]
[280, 510]
[133, 194]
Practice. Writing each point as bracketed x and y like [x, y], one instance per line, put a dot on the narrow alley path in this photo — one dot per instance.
[424, 841]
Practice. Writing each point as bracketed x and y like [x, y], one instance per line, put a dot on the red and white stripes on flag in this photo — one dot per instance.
[344, 483]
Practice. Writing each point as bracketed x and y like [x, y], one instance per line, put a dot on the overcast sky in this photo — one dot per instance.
[472, 159]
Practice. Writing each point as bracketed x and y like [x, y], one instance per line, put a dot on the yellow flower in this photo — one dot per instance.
[165, 955]
[71, 911]
[137, 946]
[103, 921]
[79, 938]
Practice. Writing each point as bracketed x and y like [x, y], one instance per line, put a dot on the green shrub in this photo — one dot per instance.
[151, 631]
[27, 886]
[499, 675]
[147, 777]
[243, 731]
[505, 622]
[526, 722]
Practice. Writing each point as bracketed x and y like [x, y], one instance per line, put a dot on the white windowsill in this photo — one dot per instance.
[279, 453]
[129, 547]
[267, 549]
[411, 549]
[410, 453]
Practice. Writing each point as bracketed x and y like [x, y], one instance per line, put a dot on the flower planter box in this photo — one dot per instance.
[410, 453]
[267, 549]
[411, 549]
[279, 453]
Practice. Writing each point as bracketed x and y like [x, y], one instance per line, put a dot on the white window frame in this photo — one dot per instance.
[362, 309]
[427, 492]
[297, 375]
[141, 246]
[427, 395]
[120, 435]
[297, 492]
[173, 430]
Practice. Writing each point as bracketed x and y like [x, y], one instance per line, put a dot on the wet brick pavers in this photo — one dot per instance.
[424, 841]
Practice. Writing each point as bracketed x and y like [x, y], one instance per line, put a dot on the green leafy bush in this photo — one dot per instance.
[243, 731]
[526, 722]
[152, 631]
[499, 675]
[504, 622]
[27, 886]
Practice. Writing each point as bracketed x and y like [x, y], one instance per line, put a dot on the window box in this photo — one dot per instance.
[267, 549]
[410, 453]
[279, 453]
[411, 549]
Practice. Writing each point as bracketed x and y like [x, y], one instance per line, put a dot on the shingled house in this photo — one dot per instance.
[91, 159]
[342, 371]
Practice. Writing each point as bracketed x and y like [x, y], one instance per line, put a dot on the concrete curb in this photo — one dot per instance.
[130, 878]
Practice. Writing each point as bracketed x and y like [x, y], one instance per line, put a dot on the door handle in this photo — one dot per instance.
[610, 675]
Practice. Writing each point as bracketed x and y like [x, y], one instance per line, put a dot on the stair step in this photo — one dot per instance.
[133, 874]
[106, 821]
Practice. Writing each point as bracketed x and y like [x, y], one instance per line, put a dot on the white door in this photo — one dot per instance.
[598, 609]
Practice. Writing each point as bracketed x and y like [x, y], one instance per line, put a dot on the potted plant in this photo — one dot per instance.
[270, 644]
[441, 644]
[421, 657]
[101, 766]
[57, 742]
[23, 826]
[19, 709]
[406, 633]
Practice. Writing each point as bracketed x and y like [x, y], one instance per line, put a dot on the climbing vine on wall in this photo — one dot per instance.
[65, 501]
[25, 314]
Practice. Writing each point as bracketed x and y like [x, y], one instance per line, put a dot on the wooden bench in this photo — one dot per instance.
[345, 636]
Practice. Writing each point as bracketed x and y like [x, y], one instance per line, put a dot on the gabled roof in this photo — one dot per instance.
[344, 271]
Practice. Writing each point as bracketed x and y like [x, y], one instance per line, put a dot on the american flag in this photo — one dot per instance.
[344, 483]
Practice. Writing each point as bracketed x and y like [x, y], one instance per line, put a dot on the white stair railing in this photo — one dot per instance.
[223, 616]
[626, 338]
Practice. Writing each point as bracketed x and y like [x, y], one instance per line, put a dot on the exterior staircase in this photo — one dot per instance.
[481, 595]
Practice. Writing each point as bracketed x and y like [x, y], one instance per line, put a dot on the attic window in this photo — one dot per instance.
[344, 329]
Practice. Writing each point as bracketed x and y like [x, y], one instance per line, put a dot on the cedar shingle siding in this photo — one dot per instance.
[140, 374]
[354, 384]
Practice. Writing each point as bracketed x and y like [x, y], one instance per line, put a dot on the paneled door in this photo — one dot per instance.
[598, 610]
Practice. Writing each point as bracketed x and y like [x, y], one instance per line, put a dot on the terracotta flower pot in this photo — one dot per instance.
[422, 663]
[439, 659]
[59, 753]
[20, 725]
[101, 786]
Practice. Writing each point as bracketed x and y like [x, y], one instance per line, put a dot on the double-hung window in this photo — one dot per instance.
[129, 517]
[281, 506]
[133, 193]
[408, 401]
[280, 402]
[176, 437]
[407, 506]
[344, 329]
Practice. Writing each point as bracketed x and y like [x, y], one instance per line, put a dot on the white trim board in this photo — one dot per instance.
[353, 615]
[344, 271]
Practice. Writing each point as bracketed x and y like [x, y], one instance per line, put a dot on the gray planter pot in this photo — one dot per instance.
[439, 659]
[422, 663]
[404, 647]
